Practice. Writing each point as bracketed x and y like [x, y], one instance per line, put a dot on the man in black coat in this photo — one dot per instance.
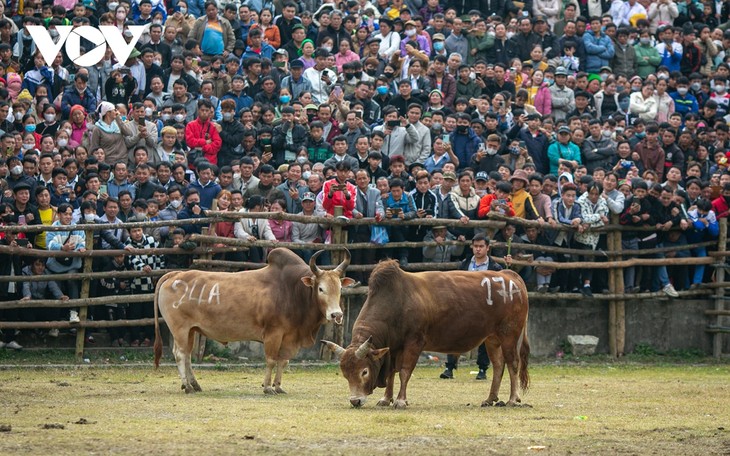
[231, 134]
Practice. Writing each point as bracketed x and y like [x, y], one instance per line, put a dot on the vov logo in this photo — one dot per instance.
[71, 37]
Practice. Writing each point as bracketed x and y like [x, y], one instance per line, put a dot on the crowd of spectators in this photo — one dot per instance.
[564, 112]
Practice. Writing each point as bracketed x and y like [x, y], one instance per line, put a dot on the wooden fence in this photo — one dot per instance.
[613, 255]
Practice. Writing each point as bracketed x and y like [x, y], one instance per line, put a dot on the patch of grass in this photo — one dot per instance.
[609, 408]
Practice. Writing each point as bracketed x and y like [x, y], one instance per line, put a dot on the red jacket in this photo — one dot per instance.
[720, 206]
[485, 205]
[195, 136]
[338, 198]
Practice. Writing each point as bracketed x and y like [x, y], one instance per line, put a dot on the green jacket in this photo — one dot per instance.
[647, 60]
[468, 90]
[481, 44]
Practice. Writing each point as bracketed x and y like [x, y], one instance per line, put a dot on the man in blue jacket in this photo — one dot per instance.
[599, 47]
[464, 141]
[78, 94]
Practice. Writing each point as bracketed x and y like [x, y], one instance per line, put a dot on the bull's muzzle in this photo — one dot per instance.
[357, 402]
[336, 317]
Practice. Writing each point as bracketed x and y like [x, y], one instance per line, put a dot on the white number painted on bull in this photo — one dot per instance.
[488, 283]
[503, 292]
[187, 294]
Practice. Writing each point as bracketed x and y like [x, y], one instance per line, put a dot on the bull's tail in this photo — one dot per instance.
[523, 345]
[158, 338]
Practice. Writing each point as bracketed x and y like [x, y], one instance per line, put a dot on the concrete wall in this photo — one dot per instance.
[666, 324]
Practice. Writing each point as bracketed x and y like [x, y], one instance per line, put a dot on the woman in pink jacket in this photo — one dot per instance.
[539, 94]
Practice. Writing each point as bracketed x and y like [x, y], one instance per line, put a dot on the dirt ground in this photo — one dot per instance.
[577, 409]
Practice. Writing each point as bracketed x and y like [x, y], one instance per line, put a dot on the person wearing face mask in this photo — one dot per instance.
[720, 96]
[684, 101]
[488, 159]
[231, 134]
[563, 150]
[181, 20]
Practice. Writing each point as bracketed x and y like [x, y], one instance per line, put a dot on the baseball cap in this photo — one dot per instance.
[308, 196]
[451, 176]
[482, 175]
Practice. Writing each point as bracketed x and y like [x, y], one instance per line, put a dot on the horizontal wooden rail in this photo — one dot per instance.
[83, 324]
[108, 226]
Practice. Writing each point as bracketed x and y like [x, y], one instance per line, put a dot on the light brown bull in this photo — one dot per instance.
[282, 305]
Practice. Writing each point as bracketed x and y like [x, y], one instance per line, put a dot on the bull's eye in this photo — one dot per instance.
[364, 373]
[321, 290]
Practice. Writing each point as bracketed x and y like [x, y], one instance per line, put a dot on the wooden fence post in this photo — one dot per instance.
[720, 292]
[85, 288]
[332, 331]
[617, 308]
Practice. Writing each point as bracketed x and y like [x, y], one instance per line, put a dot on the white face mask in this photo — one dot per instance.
[411, 32]
[327, 48]
[16, 170]
[302, 159]
[183, 10]
[179, 117]
[165, 117]
[112, 6]
[121, 16]
[157, 62]
[510, 34]
[27, 147]
[175, 203]
[148, 112]
[89, 218]
[50, 117]
[62, 142]
[68, 131]
[491, 151]
[157, 22]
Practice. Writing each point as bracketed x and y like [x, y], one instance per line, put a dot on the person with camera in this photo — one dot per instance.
[339, 192]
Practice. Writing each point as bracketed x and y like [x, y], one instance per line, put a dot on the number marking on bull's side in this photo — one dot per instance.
[513, 289]
[213, 296]
[488, 283]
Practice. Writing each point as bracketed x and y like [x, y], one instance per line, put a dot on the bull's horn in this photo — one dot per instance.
[363, 349]
[313, 263]
[336, 349]
[345, 263]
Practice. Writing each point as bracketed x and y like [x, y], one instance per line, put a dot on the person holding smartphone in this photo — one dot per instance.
[339, 192]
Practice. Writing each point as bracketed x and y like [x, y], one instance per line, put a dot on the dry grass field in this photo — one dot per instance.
[597, 408]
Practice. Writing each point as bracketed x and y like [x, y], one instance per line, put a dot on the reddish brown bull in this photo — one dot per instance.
[282, 305]
[447, 312]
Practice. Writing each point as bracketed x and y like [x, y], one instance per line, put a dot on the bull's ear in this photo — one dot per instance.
[308, 281]
[379, 353]
[347, 282]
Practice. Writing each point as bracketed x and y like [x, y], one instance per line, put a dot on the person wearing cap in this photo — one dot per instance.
[561, 96]
[308, 233]
[441, 253]
[563, 150]
[295, 81]
[536, 141]
[214, 34]
[599, 47]
[78, 94]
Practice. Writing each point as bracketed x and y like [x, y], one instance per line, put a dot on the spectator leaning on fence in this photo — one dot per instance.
[455, 106]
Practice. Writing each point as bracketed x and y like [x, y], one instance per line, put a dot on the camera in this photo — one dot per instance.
[627, 164]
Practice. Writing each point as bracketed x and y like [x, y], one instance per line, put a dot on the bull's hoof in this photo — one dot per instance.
[269, 390]
[279, 390]
[400, 404]
[196, 387]
[188, 389]
[384, 402]
[487, 403]
[500, 404]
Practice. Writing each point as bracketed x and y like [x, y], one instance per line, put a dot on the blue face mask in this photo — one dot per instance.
[548, 82]
[382, 90]
[30, 128]
[641, 135]
[285, 99]
[438, 46]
